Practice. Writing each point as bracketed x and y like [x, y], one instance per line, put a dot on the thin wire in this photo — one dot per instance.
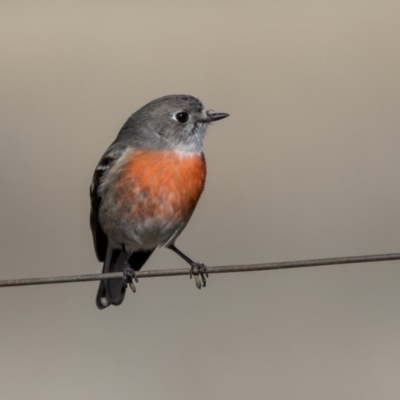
[211, 270]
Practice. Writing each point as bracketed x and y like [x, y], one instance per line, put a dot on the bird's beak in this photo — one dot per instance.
[212, 117]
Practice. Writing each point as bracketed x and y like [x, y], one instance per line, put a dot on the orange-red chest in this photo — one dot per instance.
[160, 185]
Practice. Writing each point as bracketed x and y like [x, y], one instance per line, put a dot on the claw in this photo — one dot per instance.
[201, 272]
[133, 287]
[197, 281]
[129, 275]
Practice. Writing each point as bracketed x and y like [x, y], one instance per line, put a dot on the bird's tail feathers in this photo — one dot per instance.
[112, 292]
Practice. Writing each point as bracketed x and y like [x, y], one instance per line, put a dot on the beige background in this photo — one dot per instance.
[307, 166]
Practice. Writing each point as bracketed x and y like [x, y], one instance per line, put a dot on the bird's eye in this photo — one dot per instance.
[182, 117]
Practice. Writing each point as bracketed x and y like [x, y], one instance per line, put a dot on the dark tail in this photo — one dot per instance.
[113, 290]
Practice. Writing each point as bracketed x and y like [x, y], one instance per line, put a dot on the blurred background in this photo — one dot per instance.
[307, 166]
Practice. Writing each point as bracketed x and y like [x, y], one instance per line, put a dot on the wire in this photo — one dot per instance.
[211, 270]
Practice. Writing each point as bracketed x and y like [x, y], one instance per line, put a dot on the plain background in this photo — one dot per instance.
[306, 166]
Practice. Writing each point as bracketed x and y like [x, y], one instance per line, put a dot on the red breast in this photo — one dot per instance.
[160, 185]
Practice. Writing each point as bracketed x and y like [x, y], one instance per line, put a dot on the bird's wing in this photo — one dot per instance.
[106, 162]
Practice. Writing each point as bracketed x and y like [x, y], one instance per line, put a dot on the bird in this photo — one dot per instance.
[145, 188]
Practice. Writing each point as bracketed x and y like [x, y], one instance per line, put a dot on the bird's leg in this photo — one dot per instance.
[196, 268]
[129, 274]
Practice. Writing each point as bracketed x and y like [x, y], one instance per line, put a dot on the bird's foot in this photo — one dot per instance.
[199, 270]
[129, 276]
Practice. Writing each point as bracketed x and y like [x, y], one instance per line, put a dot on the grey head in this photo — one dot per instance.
[175, 122]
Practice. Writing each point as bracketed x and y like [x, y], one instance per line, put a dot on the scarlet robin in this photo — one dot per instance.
[146, 187]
